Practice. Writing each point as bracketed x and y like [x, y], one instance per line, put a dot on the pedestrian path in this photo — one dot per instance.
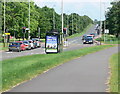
[85, 74]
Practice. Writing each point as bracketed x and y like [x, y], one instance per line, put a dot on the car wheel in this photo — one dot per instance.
[19, 50]
[29, 48]
[10, 50]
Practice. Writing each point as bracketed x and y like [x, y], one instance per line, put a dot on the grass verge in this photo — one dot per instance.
[20, 69]
[109, 39]
[80, 34]
[2, 46]
[42, 40]
[114, 73]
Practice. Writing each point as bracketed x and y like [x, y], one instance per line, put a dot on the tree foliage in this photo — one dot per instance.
[113, 18]
[17, 17]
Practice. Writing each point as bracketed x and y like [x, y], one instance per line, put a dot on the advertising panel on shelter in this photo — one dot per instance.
[51, 43]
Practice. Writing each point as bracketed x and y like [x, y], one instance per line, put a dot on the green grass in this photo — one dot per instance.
[80, 34]
[2, 46]
[114, 70]
[42, 40]
[20, 69]
[109, 39]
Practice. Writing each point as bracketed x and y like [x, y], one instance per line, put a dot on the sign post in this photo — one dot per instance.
[106, 32]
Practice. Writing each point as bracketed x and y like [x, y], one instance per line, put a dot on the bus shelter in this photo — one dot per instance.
[53, 42]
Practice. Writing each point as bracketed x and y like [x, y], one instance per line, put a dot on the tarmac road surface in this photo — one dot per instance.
[86, 74]
[74, 43]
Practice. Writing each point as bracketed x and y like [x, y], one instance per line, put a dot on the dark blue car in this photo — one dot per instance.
[16, 46]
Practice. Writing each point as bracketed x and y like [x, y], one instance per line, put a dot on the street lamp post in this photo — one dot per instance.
[100, 23]
[67, 23]
[29, 21]
[53, 17]
[4, 23]
[39, 33]
[72, 23]
[62, 19]
[104, 22]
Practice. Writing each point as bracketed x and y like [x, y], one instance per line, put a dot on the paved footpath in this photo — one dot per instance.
[86, 74]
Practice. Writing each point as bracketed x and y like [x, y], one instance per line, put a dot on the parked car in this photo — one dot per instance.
[37, 40]
[34, 43]
[88, 39]
[31, 43]
[27, 45]
[16, 46]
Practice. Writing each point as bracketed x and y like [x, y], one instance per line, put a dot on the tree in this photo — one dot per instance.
[17, 17]
[113, 19]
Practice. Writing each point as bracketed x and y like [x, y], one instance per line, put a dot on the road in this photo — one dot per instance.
[86, 74]
[74, 43]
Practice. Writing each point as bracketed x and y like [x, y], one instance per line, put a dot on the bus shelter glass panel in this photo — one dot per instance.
[51, 44]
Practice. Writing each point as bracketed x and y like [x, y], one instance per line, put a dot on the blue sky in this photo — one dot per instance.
[90, 8]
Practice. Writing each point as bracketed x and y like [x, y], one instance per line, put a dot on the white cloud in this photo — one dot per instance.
[73, 0]
[90, 8]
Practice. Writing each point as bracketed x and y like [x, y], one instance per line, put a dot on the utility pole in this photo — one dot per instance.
[53, 17]
[100, 23]
[79, 24]
[100, 18]
[62, 17]
[72, 23]
[67, 24]
[39, 33]
[29, 21]
[104, 22]
[4, 22]
[76, 24]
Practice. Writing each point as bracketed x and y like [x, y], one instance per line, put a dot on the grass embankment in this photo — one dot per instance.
[115, 71]
[109, 39]
[24, 68]
[80, 34]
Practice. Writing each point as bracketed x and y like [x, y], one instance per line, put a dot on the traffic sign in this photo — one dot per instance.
[106, 31]
[7, 33]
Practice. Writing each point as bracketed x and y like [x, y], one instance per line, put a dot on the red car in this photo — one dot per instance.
[22, 45]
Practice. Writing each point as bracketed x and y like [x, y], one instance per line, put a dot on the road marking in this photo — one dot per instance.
[9, 52]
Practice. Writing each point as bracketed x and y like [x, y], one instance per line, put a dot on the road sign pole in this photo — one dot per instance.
[14, 36]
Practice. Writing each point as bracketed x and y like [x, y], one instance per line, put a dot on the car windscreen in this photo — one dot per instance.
[15, 43]
[89, 36]
[30, 41]
[25, 42]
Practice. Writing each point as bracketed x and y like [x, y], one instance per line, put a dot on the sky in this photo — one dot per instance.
[92, 8]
